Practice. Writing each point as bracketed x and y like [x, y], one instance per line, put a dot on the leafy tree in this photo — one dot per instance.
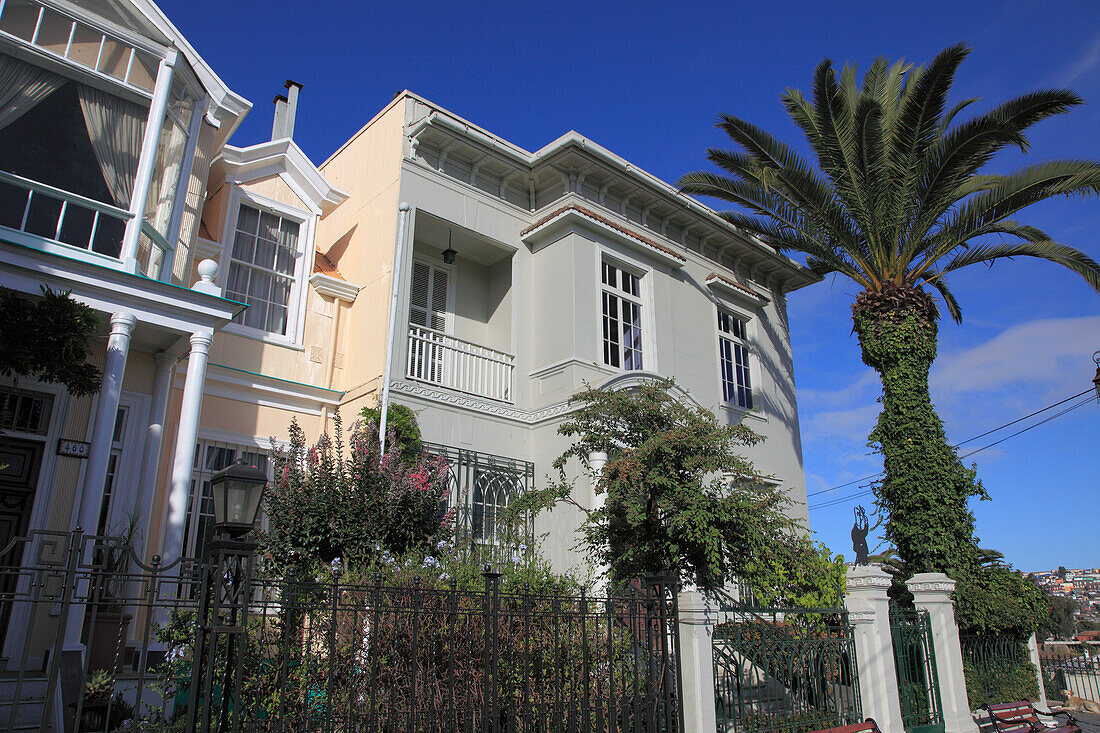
[680, 499]
[401, 427]
[1060, 622]
[899, 200]
[328, 502]
[48, 340]
[998, 599]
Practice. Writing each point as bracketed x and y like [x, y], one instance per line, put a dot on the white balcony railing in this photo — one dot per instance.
[459, 364]
[44, 211]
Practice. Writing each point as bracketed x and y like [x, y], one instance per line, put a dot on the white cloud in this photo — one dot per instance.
[1082, 65]
[1048, 357]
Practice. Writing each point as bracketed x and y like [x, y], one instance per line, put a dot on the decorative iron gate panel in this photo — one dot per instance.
[784, 670]
[915, 662]
[1071, 667]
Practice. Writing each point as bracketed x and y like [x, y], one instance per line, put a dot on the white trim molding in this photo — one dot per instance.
[285, 159]
[334, 287]
[724, 286]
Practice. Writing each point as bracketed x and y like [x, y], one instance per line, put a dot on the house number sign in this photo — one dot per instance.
[74, 448]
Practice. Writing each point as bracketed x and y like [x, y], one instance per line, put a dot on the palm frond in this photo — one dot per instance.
[937, 281]
[1068, 257]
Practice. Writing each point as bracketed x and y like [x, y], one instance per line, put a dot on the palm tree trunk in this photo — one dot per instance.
[926, 488]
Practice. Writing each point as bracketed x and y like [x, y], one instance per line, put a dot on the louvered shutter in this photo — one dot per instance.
[428, 298]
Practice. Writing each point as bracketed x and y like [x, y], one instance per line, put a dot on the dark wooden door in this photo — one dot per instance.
[21, 460]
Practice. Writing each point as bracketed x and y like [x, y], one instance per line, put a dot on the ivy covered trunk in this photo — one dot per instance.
[926, 488]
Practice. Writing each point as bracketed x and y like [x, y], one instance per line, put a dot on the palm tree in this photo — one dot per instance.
[898, 201]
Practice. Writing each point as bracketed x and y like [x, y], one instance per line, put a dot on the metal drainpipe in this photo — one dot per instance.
[398, 257]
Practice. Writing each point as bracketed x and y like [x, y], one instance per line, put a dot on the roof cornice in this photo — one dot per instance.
[256, 161]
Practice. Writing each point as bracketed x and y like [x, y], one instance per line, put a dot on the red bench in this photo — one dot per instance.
[867, 726]
[1020, 717]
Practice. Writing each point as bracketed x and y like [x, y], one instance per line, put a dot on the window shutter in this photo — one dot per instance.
[418, 298]
[428, 297]
[439, 299]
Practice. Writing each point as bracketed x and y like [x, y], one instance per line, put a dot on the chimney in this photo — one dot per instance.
[278, 127]
[292, 89]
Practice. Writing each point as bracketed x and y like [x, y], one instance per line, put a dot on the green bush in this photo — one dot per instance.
[999, 683]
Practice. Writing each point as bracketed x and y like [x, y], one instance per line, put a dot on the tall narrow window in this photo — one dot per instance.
[733, 347]
[262, 269]
[622, 318]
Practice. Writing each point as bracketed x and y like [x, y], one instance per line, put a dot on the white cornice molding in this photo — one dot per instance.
[477, 404]
[282, 156]
[572, 213]
[724, 286]
[334, 287]
[206, 249]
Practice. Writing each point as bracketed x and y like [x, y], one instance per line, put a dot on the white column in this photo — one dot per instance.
[596, 460]
[154, 440]
[172, 541]
[1033, 654]
[95, 473]
[144, 176]
[697, 622]
[869, 612]
[932, 593]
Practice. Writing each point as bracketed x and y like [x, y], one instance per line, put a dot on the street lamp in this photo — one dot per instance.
[1096, 379]
[222, 617]
[238, 489]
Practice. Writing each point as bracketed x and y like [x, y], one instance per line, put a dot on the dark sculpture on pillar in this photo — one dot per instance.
[859, 536]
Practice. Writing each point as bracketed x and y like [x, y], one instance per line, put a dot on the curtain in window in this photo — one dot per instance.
[22, 86]
[116, 128]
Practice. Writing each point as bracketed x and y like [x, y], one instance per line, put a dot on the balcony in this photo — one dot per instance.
[438, 358]
[44, 211]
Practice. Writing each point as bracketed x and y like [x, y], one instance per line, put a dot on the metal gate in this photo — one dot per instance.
[783, 670]
[1071, 668]
[915, 662]
[205, 645]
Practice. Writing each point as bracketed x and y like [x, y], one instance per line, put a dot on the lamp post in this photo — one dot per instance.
[222, 623]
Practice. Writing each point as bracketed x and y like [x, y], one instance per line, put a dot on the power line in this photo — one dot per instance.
[962, 443]
[865, 492]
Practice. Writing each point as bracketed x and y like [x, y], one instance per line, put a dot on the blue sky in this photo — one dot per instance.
[645, 79]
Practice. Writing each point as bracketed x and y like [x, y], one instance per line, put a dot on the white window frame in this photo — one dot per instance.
[644, 299]
[296, 306]
[749, 342]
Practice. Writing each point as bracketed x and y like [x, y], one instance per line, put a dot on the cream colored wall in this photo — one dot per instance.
[358, 236]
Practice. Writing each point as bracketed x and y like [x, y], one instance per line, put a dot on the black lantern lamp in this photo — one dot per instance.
[238, 490]
[1096, 379]
[449, 254]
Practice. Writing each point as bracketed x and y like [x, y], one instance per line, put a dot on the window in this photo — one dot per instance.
[733, 349]
[263, 269]
[210, 458]
[24, 411]
[622, 318]
[110, 482]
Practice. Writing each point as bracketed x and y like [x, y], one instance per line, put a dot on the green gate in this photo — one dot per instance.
[915, 662]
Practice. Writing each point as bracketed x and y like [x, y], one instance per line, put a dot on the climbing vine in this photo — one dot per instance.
[926, 489]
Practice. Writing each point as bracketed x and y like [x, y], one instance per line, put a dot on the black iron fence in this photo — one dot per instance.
[1071, 668]
[997, 668]
[784, 670]
[207, 646]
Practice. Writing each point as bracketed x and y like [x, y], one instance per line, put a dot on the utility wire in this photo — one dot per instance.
[865, 492]
[961, 443]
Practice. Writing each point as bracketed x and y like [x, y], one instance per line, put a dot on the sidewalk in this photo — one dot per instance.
[1089, 722]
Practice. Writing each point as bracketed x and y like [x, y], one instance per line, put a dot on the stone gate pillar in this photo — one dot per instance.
[697, 622]
[932, 593]
[869, 613]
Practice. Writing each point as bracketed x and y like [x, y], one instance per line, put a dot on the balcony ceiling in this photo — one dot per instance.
[432, 231]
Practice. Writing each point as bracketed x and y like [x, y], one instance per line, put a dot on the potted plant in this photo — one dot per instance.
[106, 623]
[102, 708]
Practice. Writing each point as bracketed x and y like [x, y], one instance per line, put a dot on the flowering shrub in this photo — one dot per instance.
[334, 501]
